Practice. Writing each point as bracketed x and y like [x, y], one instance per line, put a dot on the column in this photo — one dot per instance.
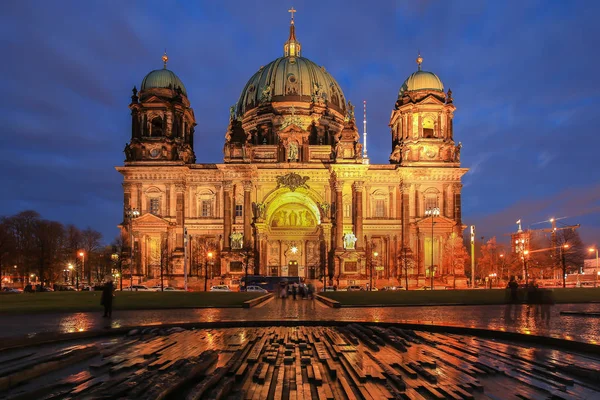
[358, 212]
[168, 200]
[247, 213]
[405, 193]
[457, 206]
[339, 215]
[180, 214]
[391, 205]
[227, 217]
[439, 125]
[139, 196]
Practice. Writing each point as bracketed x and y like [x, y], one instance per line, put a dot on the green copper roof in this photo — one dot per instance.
[162, 78]
[421, 80]
[291, 77]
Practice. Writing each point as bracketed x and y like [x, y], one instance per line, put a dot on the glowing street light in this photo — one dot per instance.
[564, 265]
[209, 256]
[433, 212]
[82, 255]
[596, 272]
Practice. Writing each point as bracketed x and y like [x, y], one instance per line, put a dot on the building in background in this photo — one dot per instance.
[293, 196]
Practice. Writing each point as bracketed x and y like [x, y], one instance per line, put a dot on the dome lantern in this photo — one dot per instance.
[292, 47]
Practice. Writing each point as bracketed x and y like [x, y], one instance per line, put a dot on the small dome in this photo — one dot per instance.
[291, 79]
[421, 80]
[162, 78]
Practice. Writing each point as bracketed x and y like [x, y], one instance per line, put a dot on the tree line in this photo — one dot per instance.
[37, 250]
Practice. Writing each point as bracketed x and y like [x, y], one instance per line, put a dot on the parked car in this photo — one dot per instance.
[392, 288]
[173, 289]
[256, 289]
[354, 288]
[12, 290]
[157, 288]
[138, 288]
[220, 288]
[329, 289]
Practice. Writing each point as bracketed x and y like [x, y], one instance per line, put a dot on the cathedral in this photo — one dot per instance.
[295, 194]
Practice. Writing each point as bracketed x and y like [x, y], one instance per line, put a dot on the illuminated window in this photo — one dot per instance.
[238, 210]
[154, 206]
[428, 128]
[379, 208]
[207, 208]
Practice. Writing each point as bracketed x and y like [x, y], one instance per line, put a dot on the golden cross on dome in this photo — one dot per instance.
[292, 11]
[165, 58]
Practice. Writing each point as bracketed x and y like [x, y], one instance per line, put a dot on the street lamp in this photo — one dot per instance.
[131, 214]
[591, 250]
[564, 265]
[502, 266]
[525, 254]
[492, 276]
[82, 255]
[115, 258]
[373, 261]
[70, 268]
[209, 257]
[433, 212]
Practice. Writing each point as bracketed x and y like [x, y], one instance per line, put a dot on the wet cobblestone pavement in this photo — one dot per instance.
[518, 318]
[349, 362]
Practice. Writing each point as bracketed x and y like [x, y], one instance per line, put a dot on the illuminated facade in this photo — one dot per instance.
[293, 196]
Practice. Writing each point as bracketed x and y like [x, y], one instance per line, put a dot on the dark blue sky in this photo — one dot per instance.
[524, 75]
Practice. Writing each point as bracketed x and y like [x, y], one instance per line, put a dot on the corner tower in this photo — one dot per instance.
[162, 121]
[421, 123]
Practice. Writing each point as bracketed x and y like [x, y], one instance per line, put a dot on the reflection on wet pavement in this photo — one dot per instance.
[528, 319]
[351, 361]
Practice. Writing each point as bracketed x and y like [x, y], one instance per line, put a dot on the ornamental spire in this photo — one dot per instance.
[419, 60]
[291, 48]
[165, 58]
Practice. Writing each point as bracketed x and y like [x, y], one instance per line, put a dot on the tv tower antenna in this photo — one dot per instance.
[365, 156]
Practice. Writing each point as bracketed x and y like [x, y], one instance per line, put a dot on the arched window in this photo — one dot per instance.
[431, 199]
[157, 127]
[379, 200]
[428, 127]
[206, 204]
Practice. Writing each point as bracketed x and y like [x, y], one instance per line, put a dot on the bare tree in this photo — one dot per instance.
[455, 256]
[91, 240]
[406, 262]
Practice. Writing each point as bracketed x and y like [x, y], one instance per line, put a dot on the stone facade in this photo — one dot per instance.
[294, 196]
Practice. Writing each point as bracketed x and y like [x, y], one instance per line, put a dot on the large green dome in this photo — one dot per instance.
[162, 78]
[291, 79]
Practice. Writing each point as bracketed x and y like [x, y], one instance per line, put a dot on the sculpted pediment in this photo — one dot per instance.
[431, 100]
[438, 223]
[150, 220]
[293, 129]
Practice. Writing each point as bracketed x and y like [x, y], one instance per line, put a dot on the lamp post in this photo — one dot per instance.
[131, 214]
[115, 258]
[492, 276]
[595, 269]
[373, 261]
[525, 254]
[209, 256]
[70, 268]
[82, 255]
[432, 212]
[564, 265]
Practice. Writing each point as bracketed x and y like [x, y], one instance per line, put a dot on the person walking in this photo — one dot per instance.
[107, 297]
[294, 290]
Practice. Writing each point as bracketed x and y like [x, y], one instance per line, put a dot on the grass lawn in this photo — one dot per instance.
[475, 297]
[90, 301]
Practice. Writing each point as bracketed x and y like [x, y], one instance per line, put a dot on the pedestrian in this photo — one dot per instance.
[107, 297]
[294, 290]
[513, 286]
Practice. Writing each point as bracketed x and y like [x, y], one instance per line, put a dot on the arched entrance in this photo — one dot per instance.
[292, 235]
